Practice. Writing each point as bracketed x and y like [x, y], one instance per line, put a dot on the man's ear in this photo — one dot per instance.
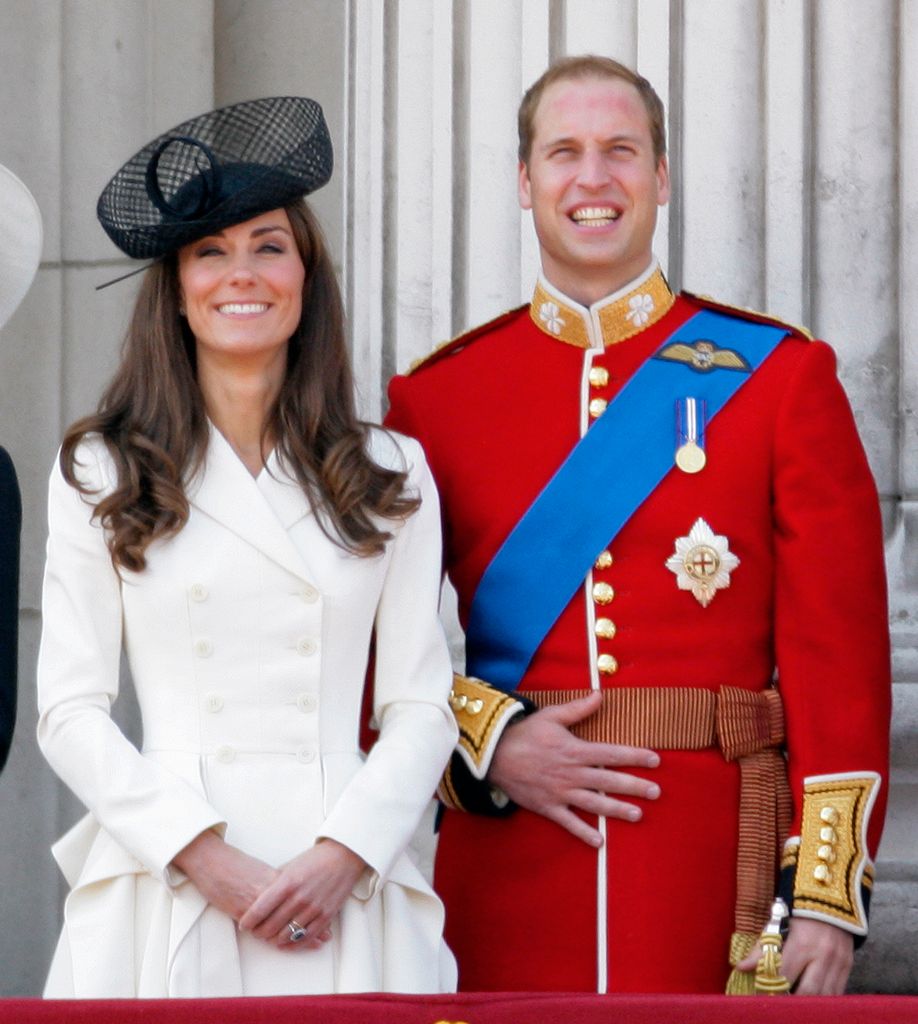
[524, 189]
[663, 184]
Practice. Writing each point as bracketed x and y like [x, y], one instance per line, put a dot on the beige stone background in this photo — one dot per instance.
[795, 157]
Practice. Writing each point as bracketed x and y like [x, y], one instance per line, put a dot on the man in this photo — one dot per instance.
[664, 535]
[20, 251]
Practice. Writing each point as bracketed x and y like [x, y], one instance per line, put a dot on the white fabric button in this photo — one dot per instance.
[306, 702]
[203, 648]
[309, 594]
[305, 755]
[306, 646]
[198, 592]
[225, 754]
[213, 702]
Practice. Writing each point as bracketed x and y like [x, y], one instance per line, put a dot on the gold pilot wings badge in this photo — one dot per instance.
[703, 355]
[702, 562]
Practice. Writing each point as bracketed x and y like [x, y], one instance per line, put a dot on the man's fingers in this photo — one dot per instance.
[614, 755]
[603, 781]
[608, 754]
[752, 960]
[576, 826]
[574, 710]
[604, 806]
[818, 956]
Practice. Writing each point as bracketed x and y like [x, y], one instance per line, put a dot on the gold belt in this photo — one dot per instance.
[747, 727]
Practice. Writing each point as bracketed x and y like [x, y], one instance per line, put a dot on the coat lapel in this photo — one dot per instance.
[259, 511]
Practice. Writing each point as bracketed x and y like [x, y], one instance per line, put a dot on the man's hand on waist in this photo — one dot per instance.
[543, 767]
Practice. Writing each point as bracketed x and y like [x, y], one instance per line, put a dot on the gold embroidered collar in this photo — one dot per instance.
[618, 316]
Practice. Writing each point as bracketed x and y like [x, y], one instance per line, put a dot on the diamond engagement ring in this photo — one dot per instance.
[297, 931]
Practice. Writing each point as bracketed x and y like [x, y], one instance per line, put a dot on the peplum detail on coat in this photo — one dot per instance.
[126, 935]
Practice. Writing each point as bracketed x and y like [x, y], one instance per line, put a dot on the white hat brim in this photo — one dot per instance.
[20, 242]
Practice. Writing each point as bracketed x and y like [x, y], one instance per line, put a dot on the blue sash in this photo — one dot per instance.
[613, 468]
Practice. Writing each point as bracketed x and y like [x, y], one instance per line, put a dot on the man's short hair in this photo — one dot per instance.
[590, 66]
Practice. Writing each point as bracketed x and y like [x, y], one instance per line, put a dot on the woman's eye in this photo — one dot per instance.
[271, 247]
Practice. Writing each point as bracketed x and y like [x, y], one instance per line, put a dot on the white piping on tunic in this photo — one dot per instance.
[602, 903]
[594, 331]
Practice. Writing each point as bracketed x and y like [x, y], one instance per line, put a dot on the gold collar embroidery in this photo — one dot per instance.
[608, 321]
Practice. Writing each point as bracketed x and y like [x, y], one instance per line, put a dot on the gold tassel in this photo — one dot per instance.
[741, 983]
[769, 980]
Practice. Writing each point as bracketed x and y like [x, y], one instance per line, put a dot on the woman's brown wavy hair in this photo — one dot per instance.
[154, 424]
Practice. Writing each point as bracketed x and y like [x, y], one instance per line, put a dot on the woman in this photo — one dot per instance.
[226, 520]
[20, 252]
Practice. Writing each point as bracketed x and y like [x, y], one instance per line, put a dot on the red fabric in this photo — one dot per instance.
[476, 1008]
[788, 484]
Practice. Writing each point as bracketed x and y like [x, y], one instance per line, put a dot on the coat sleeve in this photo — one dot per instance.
[831, 646]
[411, 689]
[10, 524]
[150, 812]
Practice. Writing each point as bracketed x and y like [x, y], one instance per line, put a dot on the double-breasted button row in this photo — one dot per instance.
[213, 703]
[204, 647]
[226, 754]
[198, 592]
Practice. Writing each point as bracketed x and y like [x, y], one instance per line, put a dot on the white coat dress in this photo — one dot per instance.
[247, 638]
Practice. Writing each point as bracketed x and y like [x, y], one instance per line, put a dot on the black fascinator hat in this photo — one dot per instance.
[216, 170]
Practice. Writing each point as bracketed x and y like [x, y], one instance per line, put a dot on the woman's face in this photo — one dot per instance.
[242, 289]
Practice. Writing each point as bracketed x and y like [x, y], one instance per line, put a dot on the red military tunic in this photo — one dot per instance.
[787, 484]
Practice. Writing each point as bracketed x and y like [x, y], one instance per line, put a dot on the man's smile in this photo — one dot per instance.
[595, 216]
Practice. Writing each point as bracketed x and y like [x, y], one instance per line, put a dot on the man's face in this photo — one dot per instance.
[593, 185]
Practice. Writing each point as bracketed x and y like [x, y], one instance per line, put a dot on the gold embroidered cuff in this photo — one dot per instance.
[832, 860]
[482, 713]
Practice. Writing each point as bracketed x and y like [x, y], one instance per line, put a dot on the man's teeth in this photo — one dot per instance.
[595, 215]
[243, 307]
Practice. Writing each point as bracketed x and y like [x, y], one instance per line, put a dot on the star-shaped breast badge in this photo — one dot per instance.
[702, 562]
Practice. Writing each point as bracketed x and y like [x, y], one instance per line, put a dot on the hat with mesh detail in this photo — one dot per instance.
[216, 170]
